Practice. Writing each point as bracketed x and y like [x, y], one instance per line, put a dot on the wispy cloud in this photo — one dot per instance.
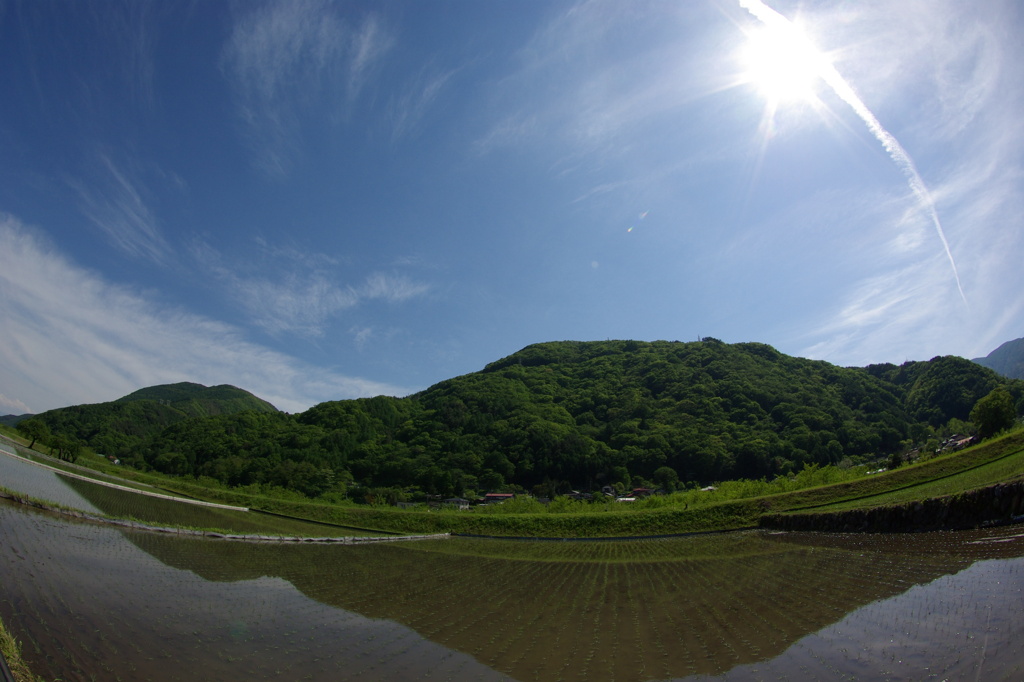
[408, 109]
[296, 304]
[9, 403]
[297, 292]
[370, 43]
[899, 303]
[894, 316]
[116, 203]
[506, 132]
[362, 336]
[584, 86]
[392, 288]
[285, 290]
[949, 55]
[71, 337]
[905, 312]
[901, 309]
[285, 59]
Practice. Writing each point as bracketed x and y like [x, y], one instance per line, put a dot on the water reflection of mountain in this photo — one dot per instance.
[87, 605]
[89, 602]
[665, 608]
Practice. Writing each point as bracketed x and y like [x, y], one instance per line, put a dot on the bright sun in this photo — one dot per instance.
[782, 63]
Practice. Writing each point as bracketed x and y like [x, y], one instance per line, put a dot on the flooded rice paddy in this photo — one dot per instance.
[38, 482]
[93, 497]
[96, 602]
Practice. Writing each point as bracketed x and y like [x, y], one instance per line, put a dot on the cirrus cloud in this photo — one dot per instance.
[285, 61]
[72, 337]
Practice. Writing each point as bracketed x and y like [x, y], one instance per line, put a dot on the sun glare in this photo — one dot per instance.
[782, 63]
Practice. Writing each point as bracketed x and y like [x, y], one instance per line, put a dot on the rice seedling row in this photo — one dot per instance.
[750, 608]
[538, 603]
[584, 638]
[530, 655]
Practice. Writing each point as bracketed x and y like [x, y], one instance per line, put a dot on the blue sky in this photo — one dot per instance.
[326, 200]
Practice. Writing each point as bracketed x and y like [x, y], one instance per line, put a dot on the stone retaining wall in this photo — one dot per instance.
[995, 505]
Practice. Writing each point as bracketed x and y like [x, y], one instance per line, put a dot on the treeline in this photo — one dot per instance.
[571, 415]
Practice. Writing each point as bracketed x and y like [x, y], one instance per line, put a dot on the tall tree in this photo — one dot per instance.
[34, 429]
[993, 413]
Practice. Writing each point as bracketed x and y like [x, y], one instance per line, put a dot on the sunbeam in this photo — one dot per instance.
[789, 36]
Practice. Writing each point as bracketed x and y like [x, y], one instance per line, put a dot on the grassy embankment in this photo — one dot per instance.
[998, 460]
[994, 461]
[1008, 468]
[11, 651]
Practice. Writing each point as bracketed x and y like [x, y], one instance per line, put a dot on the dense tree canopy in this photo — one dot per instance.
[556, 416]
[993, 413]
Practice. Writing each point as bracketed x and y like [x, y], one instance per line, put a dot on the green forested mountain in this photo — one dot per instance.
[196, 400]
[13, 419]
[1008, 359]
[569, 414]
[124, 425]
[941, 389]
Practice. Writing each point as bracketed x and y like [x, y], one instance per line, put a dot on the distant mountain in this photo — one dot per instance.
[1008, 359]
[197, 400]
[122, 425]
[13, 419]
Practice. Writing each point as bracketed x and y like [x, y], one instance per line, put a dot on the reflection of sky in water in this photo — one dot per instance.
[964, 626]
[23, 477]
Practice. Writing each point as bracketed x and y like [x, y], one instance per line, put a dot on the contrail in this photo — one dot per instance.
[775, 21]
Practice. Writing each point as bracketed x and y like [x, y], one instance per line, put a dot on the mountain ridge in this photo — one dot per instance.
[1007, 359]
[566, 414]
[113, 426]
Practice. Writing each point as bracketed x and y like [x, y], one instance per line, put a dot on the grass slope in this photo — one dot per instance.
[993, 461]
[11, 651]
